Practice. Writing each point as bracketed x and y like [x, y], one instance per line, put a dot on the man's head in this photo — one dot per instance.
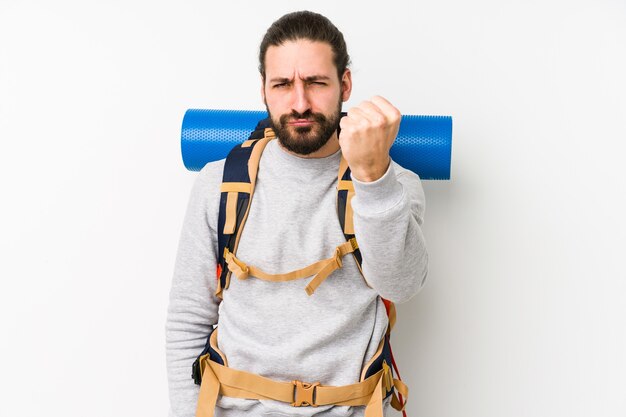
[303, 63]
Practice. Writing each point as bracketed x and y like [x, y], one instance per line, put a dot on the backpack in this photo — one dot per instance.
[237, 189]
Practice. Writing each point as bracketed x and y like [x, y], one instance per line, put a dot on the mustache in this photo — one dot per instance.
[307, 115]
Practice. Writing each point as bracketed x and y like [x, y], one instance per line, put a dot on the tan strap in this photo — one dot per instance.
[345, 185]
[404, 391]
[240, 187]
[269, 133]
[343, 167]
[255, 158]
[376, 401]
[221, 380]
[231, 211]
[209, 390]
[321, 269]
[233, 189]
[349, 222]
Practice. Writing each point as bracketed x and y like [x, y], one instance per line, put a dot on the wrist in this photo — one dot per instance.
[371, 172]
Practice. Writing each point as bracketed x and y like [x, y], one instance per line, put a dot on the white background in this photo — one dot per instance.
[524, 312]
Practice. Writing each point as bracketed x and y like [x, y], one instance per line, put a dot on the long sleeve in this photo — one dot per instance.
[193, 307]
[388, 214]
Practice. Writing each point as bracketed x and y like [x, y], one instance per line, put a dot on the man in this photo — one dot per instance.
[275, 329]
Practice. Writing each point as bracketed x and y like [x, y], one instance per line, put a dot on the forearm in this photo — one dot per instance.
[189, 319]
[388, 214]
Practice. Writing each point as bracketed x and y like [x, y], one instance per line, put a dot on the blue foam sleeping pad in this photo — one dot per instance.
[423, 145]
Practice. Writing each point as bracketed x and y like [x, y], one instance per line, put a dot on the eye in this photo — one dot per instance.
[280, 85]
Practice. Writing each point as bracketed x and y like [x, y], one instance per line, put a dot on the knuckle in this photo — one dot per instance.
[364, 124]
[395, 115]
[379, 122]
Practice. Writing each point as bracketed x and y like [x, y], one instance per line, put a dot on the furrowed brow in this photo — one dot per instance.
[280, 80]
[316, 78]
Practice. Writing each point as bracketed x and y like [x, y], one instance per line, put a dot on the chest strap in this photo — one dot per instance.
[321, 269]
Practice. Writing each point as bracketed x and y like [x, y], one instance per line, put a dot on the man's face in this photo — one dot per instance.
[303, 94]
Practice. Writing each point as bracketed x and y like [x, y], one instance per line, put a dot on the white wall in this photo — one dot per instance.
[524, 311]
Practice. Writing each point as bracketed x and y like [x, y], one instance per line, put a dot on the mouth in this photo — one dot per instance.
[301, 123]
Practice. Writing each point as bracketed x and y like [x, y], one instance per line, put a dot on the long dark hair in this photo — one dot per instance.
[305, 25]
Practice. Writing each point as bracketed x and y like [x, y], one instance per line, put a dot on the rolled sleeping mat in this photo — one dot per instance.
[423, 144]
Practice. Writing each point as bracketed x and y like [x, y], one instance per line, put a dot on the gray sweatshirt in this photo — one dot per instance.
[274, 328]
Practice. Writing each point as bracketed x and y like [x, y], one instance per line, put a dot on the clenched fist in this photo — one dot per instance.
[367, 133]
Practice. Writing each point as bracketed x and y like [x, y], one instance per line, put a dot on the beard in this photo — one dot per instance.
[304, 140]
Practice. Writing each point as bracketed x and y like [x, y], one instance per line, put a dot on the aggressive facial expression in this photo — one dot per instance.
[303, 94]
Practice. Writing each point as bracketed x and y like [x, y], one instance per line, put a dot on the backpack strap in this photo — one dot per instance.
[238, 181]
[321, 269]
[345, 192]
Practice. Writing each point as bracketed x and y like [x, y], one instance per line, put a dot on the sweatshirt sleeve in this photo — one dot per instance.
[388, 215]
[193, 306]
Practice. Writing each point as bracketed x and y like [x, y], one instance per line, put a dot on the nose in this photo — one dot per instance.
[300, 101]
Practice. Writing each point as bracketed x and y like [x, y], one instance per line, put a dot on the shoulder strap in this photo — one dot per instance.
[238, 181]
[345, 192]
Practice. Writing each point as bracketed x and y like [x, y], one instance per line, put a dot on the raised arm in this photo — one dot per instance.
[388, 203]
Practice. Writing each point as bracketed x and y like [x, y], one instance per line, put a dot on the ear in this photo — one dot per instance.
[346, 85]
[263, 89]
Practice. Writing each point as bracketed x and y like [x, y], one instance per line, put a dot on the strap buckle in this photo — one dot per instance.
[304, 394]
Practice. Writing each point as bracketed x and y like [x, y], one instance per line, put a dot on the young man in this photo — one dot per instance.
[275, 329]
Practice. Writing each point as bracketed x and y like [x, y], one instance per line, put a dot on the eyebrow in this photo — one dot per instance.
[306, 79]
